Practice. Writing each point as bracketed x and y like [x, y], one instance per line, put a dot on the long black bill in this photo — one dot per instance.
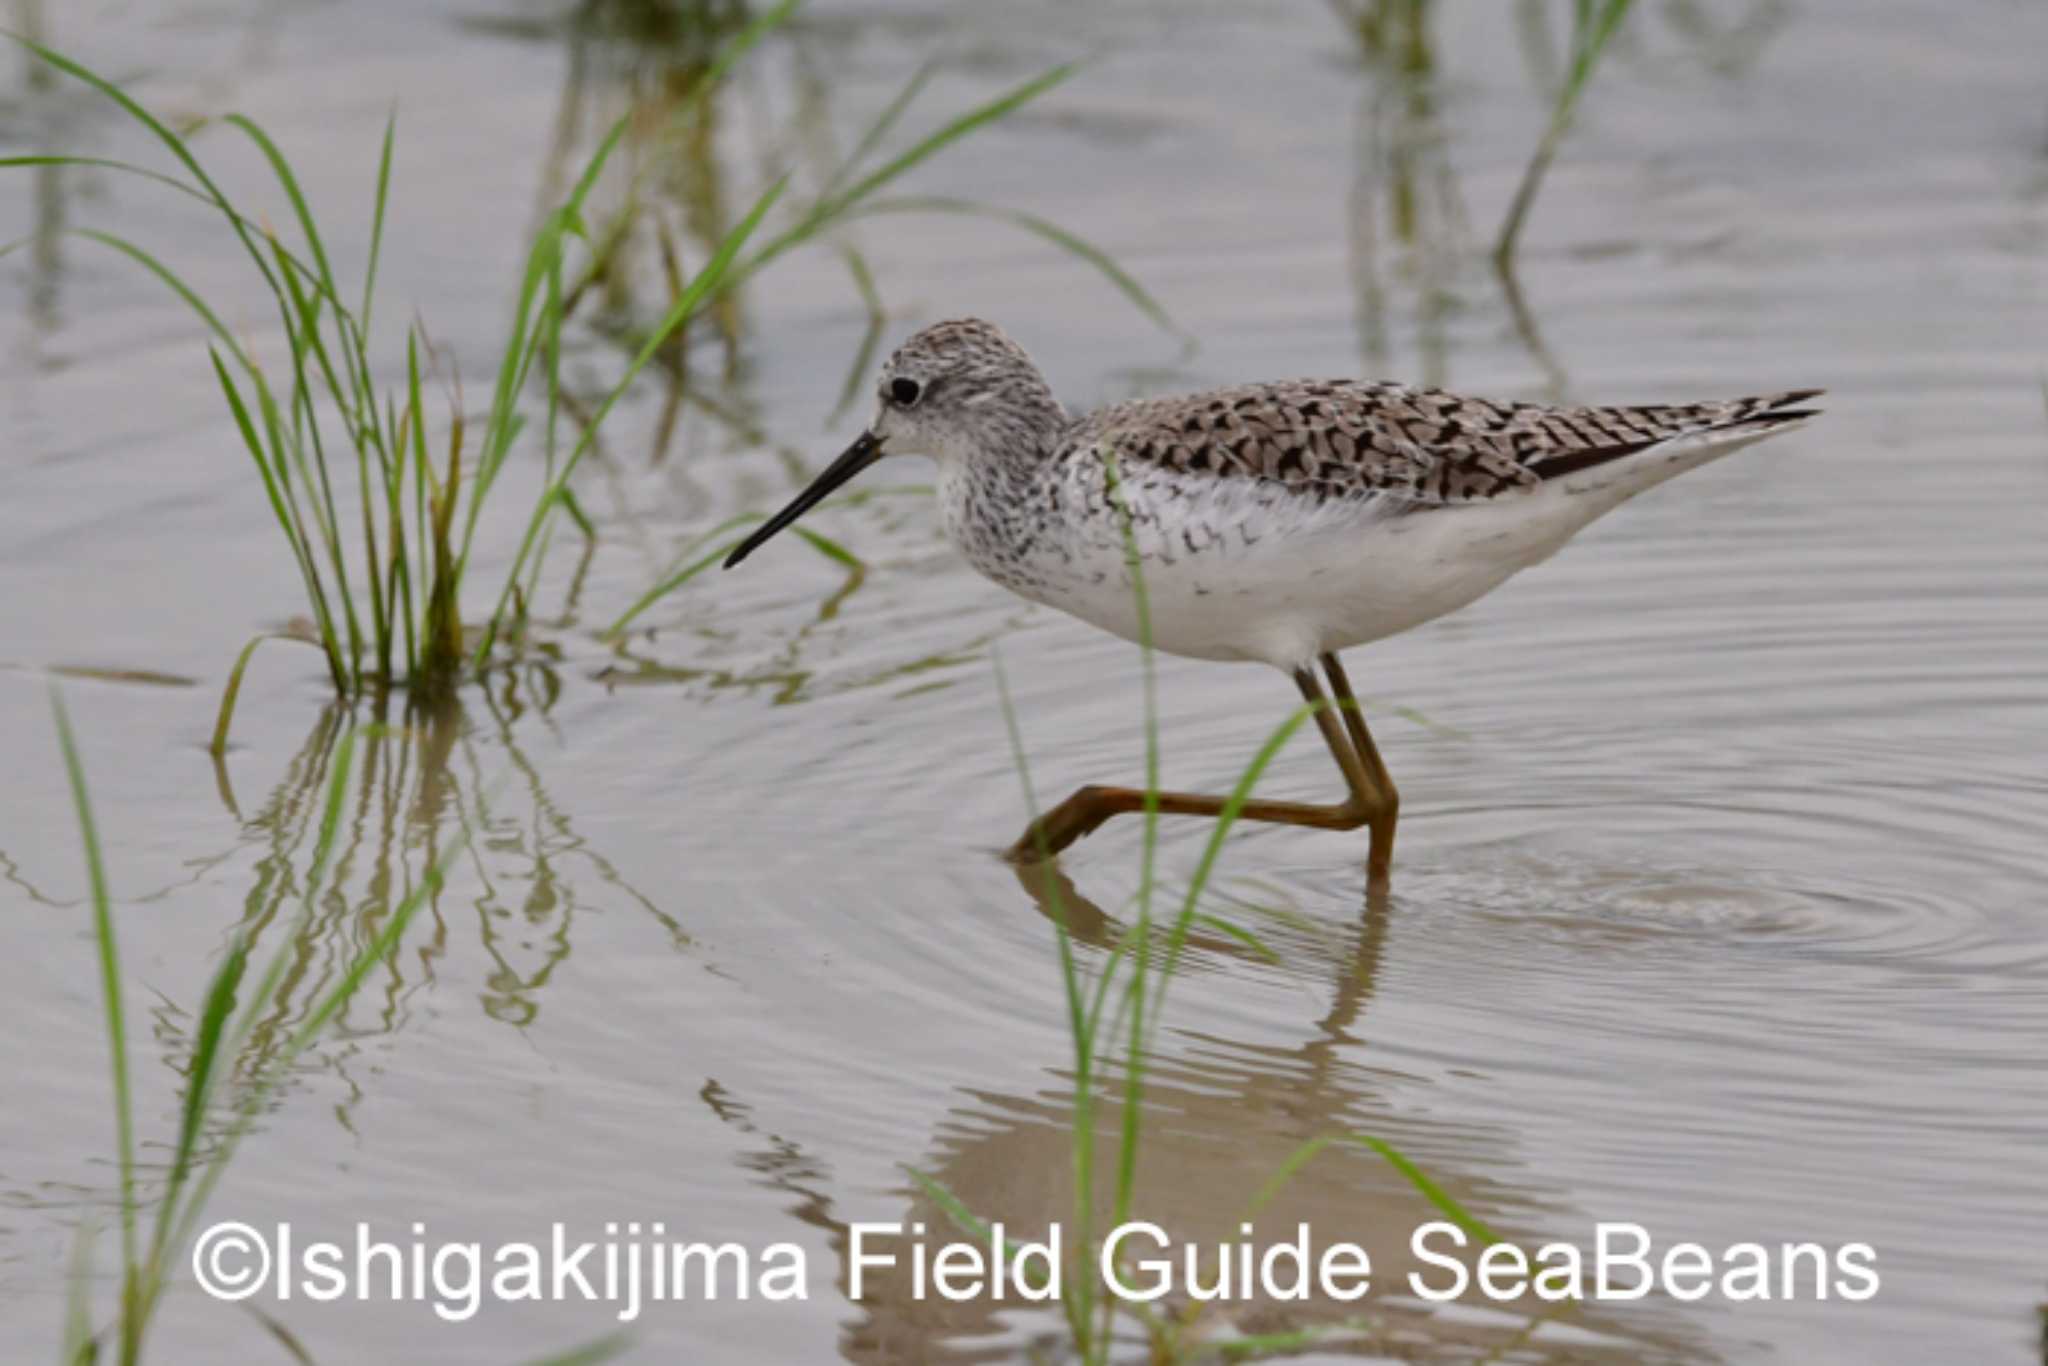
[862, 453]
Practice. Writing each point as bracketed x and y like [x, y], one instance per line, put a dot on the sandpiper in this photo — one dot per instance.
[1278, 522]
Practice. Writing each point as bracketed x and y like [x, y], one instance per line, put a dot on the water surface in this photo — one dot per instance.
[1718, 898]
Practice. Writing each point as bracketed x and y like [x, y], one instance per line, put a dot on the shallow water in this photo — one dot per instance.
[1718, 897]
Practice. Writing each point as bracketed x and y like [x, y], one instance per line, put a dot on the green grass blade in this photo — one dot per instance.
[685, 306]
[1447, 1205]
[218, 746]
[79, 1348]
[954, 130]
[1287, 1342]
[377, 221]
[826, 210]
[110, 987]
[695, 566]
[1435, 1194]
[357, 406]
[589, 1354]
[499, 429]
[145, 173]
[524, 340]
[879, 129]
[256, 448]
[163, 134]
[954, 1207]
[830, 548]
[422, 551]
[742, 43]
[107, 164]
[549, 338]
[199, 1085]
[1070, 977]
[1052, 232]
[1233, 931]
[1591, 29]
[963, 1218]
[282, 169]
[667, 586]
[220, 1000]
[177, 286]
[1233, 805]
[864, 354]
[283, 1336]
[287, 450]
[825, 546]
[305, 339]
[301, 552]
[573, 505]
[1134, 1057]
[1079, 1302]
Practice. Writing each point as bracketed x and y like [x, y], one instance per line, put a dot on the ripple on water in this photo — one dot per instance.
[1645, 907]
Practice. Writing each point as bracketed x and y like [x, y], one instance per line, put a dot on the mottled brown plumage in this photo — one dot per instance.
[1425, 445]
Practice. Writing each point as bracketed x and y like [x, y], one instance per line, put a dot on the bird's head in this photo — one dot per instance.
[958, 390]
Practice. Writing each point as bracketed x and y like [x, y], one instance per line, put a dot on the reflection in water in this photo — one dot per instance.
[48, 187]
[645, 61]
[1402, 172]
[668, 199]
[1401, 151]
[63, 115]
[419, 786]
[1729, 48]
[1222, 1117]
[789, 671]
[790, 680]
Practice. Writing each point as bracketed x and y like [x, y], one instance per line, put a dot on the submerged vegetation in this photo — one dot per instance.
[386, 611]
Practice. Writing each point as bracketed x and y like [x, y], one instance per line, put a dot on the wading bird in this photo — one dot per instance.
[1277, 522]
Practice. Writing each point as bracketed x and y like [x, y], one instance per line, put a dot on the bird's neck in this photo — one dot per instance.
[1019, 426]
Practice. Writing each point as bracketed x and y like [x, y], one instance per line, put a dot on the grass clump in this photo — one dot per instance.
[378, 502]
[384, 593]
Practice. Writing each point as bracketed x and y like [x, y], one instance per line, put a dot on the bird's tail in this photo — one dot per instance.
[1679, 436]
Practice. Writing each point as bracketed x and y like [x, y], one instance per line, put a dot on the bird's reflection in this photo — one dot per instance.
[1222, 1115]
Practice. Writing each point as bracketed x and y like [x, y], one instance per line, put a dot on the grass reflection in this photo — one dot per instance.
[421, 783]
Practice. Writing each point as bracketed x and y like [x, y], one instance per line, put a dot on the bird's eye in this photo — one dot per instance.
[904, 391]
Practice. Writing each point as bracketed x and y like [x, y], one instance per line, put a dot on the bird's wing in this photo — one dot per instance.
[1421, 445]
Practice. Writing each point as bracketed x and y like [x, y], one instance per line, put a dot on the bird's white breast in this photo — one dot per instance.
[1238, 569]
